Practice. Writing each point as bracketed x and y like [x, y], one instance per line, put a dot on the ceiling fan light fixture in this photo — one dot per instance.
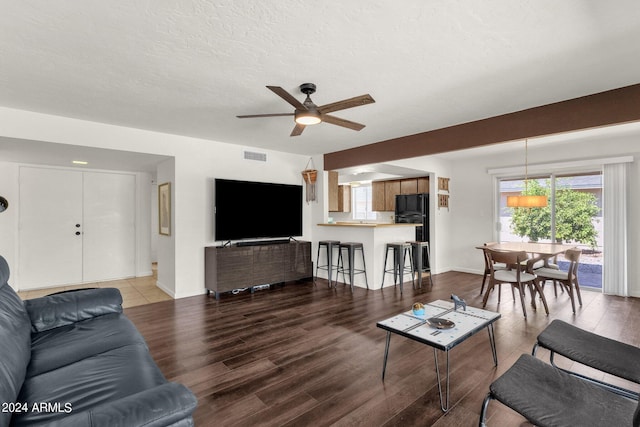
[307, 113]
[307, 118]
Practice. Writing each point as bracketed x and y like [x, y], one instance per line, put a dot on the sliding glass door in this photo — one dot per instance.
[574, 216]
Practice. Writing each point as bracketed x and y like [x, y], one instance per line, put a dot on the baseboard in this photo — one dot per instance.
[468, 270]
[144, 273]
[165, 289]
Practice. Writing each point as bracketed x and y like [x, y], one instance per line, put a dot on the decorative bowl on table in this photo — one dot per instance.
[418, 309]
[440, 323]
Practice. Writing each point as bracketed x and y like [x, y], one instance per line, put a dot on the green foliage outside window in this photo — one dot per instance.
[575, 211]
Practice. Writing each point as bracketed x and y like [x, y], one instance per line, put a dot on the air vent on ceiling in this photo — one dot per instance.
[252, 155]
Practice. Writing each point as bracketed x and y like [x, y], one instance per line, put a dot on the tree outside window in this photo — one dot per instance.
[574, 216]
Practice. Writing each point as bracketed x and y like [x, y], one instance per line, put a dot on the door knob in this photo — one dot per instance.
[77, 225]
[78, 233]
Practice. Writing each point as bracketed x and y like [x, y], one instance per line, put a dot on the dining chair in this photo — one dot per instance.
[517, 273]
[555, 266]
[496, 266]
[567, 279]
[487, 269]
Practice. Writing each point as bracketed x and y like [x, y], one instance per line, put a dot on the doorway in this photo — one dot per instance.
[574, 216]
[75, 227]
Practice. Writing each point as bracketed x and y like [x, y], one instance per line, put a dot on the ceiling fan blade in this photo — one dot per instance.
[250, 116]
[287, 97]
[346, 103]
[341, 122]
[297, 130]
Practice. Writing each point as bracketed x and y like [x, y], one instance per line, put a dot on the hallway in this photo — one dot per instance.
[135, 291]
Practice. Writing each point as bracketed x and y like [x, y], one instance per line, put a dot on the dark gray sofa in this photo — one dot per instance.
[74, 359]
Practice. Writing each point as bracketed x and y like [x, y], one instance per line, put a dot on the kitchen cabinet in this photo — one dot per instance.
[344, 198]
[383, 193]
[333, 191]
[377, 196]
[339, 195]
[409, 186]
[423, 184]
[391, 189]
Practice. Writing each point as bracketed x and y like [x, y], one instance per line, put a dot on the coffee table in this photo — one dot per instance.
[415, 327]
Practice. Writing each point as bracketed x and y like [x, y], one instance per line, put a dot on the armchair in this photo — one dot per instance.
[547, 396]
[595, 351]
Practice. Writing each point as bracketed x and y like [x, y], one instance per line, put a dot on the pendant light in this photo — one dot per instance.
[524, 200]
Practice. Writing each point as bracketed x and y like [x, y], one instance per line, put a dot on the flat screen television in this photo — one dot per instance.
[255, 210]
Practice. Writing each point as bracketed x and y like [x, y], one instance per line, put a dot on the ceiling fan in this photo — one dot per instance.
[307, 113]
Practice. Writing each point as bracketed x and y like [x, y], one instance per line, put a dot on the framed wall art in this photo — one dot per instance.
[443, 184]
[164, 209]
[443, 201]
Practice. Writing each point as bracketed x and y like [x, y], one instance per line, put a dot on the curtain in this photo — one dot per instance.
[614, 280]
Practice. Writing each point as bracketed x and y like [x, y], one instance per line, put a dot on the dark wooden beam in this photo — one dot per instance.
[601, 109]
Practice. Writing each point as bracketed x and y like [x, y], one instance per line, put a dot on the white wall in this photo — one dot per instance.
[143, 220]
[166, 245]
[153, 196]
[197, 163]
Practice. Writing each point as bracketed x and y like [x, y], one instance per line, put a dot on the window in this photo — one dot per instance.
[574, 216]
[361, 202]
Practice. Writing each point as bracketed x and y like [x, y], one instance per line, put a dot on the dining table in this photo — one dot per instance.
[539, 252]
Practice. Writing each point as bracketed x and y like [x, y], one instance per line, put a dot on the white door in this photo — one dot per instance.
[50, 243]
[109, 226]
[75, 227]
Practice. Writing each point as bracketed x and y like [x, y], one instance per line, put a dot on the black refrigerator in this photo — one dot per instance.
[414, 209]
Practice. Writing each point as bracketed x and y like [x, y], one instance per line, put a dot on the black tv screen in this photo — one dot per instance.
[252, 210]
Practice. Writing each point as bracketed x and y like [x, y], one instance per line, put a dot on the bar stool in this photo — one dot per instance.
[351, 248]
[329, 246]
[421, 256]
[400, 252]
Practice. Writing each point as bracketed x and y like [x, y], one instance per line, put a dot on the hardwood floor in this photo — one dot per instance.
[305, 355]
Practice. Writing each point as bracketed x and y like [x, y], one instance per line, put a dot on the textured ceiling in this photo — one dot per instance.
[189, 67]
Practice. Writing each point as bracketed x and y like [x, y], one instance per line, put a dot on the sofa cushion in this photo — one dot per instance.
[67, 308]
[15, 341]
[62, 346]
[168, 405]
[96, 380]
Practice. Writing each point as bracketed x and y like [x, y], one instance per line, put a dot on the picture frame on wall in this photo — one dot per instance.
[164, 209]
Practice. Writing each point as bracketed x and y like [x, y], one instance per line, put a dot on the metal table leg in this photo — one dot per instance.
[492, 340]
[444, 405]
[330, 263]
[444, 395]
[399, 268]
[386, 354]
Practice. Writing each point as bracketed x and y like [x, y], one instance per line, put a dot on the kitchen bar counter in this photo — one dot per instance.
[374, 237]
[366, 224]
